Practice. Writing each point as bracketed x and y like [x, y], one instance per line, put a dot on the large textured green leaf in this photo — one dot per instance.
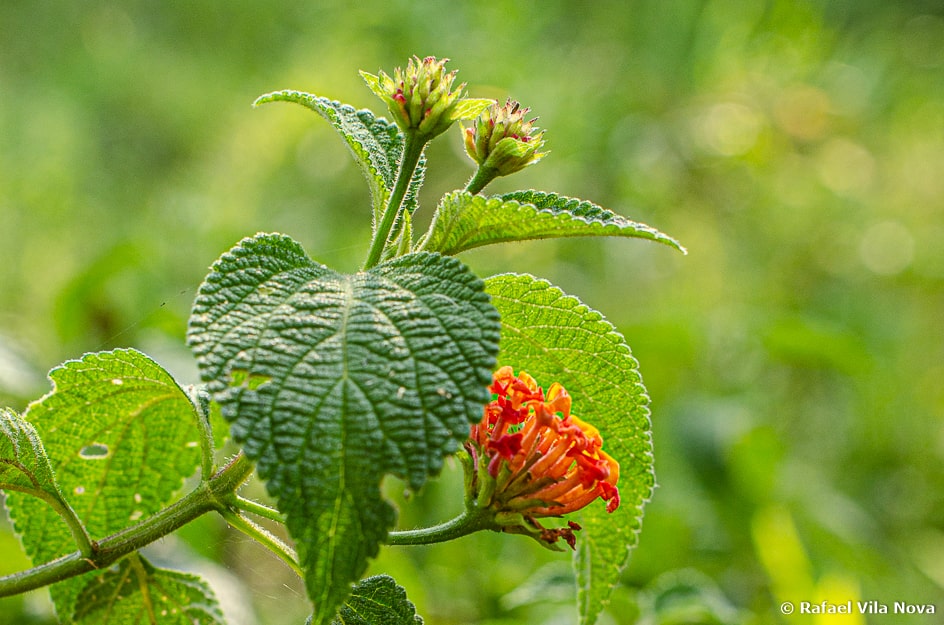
[24, 466]
[121, 436]
[555, 337]
[375, 143]
[378, 600]
[137, 593]
[464, 221]
[331, 380]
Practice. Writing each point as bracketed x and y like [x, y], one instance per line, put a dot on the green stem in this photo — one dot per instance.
[483, 176]
[471, 520]
[55, 500]
[253, 507]
[413, 144]
[265, 537]
[207, 496]
[474, 518]
[206, 434]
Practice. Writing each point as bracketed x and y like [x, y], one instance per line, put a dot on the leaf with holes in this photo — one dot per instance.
[377, 600]
[121, 436]
[331, 381]
[555, 337]
[137, 593]
[464, 221]
[375, 143]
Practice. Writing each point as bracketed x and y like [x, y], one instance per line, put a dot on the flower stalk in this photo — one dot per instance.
[413, 145]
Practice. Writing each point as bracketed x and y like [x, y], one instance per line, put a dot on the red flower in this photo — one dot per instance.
[544, 461]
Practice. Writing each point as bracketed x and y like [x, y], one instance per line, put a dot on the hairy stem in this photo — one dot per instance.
[470, 521]
[261, 535]
[413, 144]
[473, 519]
[254, 507]
[206, 434]
[207, 496]
[483, 176]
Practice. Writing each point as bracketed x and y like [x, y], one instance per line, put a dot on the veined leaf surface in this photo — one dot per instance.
[121, 436]
[464, 221]
[378, 600]
[137, 593]
[554, 337]
[331, 380]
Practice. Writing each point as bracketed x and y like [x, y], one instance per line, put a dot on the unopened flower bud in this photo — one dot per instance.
[421, 99]
[503, 141]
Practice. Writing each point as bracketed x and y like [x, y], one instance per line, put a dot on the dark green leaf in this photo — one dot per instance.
[555, 337]
[136, 593]
[375, 143]
[378, 600]
[464, 221]
[330, 381]
[121, 436]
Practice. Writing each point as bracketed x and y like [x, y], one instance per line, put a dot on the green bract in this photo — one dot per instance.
[331, 381]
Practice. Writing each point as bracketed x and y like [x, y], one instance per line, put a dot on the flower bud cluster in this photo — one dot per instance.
[501, 139]
[420, 97]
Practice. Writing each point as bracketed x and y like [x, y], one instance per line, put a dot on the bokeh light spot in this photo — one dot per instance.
[887, 248]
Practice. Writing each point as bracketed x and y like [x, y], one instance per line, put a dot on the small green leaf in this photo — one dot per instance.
[464, 221]
[377, 372]
[121, 436]
[375, 143]
[136, 593]
[470, 108]
[373, 83]
[23, 463]
[555, 337]
[378, 600]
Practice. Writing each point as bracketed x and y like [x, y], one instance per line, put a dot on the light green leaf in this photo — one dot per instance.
[555, 337]
[378, 600]
[121, 436]
[373, 83]
[136, 593]
[375, 143]
[24, 466]
[470, 108]
[330, 381]
[463, 221]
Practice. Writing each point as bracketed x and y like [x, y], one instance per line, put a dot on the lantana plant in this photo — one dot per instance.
[328, 382]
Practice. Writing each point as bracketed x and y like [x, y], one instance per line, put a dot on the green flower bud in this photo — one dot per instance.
[501, 140]
[420, 98]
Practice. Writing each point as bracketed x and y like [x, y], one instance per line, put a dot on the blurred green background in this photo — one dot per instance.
[795, 357]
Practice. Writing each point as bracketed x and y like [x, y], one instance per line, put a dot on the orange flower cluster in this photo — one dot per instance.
[544, 460]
